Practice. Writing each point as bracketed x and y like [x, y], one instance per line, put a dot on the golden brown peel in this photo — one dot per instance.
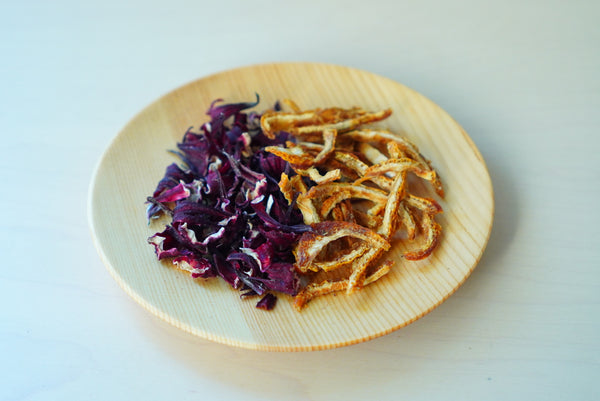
[317, 289]
[317, 120]
[398, 147]
[408, 221]
[390, 215]
[312, 243]
[344, 125]
[433, 231]
[359, 198]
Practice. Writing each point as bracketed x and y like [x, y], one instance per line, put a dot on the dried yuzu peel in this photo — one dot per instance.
[360, 197]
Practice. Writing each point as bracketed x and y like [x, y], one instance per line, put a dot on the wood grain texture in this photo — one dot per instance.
[136, 159]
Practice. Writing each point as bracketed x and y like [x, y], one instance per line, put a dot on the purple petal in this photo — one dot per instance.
[227, 110]
[267, 302]
[178, 192]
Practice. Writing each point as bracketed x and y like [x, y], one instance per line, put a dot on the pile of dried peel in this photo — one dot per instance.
[352, 189]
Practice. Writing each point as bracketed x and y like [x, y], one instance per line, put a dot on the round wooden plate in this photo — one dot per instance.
[135, 161]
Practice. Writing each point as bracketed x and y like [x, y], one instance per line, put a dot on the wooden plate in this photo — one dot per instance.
[135, 161]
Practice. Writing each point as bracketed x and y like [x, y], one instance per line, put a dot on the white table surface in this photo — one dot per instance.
[522, 78]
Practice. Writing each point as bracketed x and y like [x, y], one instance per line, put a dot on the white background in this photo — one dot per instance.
[522, 78]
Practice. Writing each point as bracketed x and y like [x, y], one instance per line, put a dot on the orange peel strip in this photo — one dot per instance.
[395, 150]
[294, 155]
[292, 105]
[314, 290]
[357, 279]
[397, 166]
[289, 186]
[313, 242]
[344, 259]
[371, 153]
[272, 121]
[390, 216]
[286, 188]
[343, 212]
[426, 205]
[357, 191]
[384, 136]
[329, 136]
[345, 125]
[313, 174]
[351, 161]
[342, 191]
[368, 220]
[434, 232]
[408, 221]
[308, 210]
[328, 205]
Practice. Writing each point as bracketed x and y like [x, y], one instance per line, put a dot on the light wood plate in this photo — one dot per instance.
[135, 161]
